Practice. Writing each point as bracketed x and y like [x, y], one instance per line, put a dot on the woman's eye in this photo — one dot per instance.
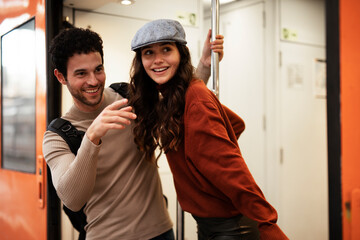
[147, 52]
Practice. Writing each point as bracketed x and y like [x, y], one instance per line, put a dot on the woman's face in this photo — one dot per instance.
[161, 61]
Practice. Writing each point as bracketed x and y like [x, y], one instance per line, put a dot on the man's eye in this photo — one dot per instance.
[80, 73]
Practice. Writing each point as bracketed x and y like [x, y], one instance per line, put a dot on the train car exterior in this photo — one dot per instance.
[25, 209]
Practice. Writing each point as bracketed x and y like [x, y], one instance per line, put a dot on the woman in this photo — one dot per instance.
[177, 113]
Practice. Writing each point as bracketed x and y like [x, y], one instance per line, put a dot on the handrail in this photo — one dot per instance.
[215, 6]
[179, 222]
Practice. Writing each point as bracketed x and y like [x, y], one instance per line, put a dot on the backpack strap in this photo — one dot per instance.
[122, 88]
[73, 138]
[68, 132]
[78, 220]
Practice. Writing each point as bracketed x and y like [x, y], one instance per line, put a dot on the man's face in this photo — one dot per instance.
[85, 80]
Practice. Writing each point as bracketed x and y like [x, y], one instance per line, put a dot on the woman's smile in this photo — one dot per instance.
[160, 61]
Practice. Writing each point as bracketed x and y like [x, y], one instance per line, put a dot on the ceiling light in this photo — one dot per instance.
[127, 2]
[226, 1]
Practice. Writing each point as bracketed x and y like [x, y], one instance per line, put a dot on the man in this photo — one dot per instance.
[122, 191]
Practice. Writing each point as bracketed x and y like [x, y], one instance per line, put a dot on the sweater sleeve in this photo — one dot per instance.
[203, 72]
[218, 158]
[73, 176]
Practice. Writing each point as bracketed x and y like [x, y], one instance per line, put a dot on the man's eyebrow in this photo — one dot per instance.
[84, 69]
[80, 70]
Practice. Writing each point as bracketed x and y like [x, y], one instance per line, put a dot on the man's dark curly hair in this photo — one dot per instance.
[74, 41]
[159, 120]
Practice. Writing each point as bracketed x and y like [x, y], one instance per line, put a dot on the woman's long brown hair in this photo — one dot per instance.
[159, 119]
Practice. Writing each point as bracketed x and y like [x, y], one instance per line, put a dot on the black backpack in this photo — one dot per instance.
[73, 138]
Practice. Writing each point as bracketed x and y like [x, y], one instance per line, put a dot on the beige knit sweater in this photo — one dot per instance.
[122, 191]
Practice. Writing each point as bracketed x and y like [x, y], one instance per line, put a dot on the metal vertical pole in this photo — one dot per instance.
[215, 76]
[215, 56]
[179, 222]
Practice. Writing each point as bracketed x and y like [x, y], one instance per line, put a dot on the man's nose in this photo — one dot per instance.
[92, 80]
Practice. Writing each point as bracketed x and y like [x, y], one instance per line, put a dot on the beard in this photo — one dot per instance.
[89, 101]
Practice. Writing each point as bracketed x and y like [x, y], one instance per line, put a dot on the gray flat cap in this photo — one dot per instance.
[161, 30]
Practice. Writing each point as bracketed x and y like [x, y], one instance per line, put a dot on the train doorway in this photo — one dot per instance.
[22, 173]
[29, 208]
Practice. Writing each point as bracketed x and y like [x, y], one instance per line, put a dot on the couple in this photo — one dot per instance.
[114, 171]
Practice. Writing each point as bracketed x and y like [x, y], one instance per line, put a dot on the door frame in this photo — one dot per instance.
[54, 22]
[333, 118]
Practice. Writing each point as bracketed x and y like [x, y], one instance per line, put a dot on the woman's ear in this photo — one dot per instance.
[60, 77]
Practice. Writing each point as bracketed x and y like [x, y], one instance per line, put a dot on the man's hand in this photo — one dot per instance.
[114, 116]
[217, 46]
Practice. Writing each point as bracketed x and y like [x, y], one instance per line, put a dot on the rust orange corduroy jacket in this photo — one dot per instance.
[210, 175]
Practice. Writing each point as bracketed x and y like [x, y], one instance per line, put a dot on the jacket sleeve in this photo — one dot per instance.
[73, 176]
[237, 122]
[219, 159]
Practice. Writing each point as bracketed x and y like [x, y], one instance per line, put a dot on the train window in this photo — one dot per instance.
[18, 79]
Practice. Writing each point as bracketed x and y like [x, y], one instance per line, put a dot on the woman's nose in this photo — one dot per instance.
[158, 58]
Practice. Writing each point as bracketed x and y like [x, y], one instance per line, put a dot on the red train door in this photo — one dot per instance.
[23, 213]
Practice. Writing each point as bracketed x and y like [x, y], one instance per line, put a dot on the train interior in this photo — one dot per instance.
[273, 75]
